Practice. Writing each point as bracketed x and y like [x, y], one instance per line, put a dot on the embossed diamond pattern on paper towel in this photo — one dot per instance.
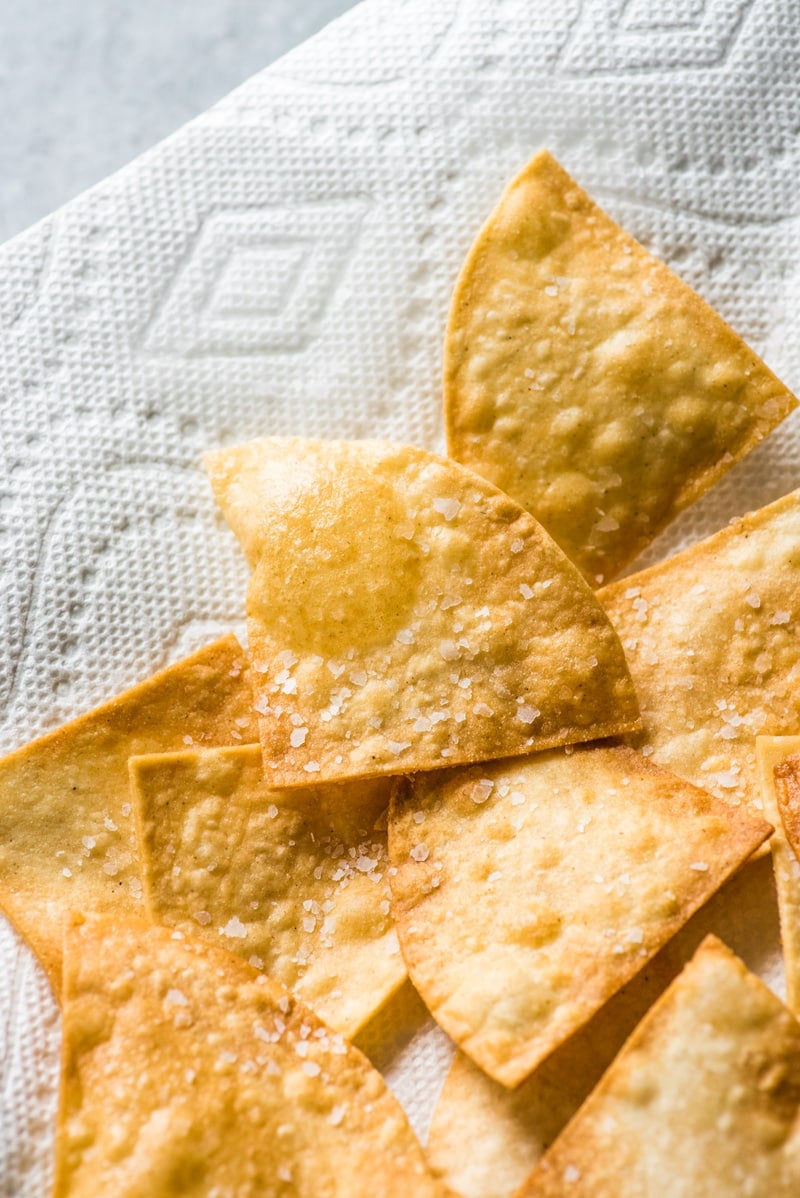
[284, 265]
[647, 35]
[256, 281]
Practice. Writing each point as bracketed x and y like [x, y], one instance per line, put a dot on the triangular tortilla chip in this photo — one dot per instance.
[484, 1139]
[773, 752]
[405, 615]
[587, 380]
[528, 892]
[702, 1101]
[711, 636]
[294, 882]
[186, 1072]
[67, 836]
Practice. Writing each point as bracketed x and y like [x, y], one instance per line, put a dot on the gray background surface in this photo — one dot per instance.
[85, 85]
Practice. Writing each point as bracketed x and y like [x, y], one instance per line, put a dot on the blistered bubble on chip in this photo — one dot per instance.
[67, 837]
[293, 882]
[779, 771]
[587, 380]
[186, 1072]
[521, 919]
[711, 668]
[386, 615]
[702, 1100]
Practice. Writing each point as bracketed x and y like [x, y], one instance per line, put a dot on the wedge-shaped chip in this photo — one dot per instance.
[294, 882]
[528, 892]
[405, 615]
[186, 1072]
[712, 637]
[779, 768]
[484, 1139]
[67, 836]
[703, 1099]
[587, 380]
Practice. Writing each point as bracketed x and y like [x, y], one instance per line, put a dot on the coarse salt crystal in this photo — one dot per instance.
[527, 714]
[399, 746]
[311, 767]
[298, 737]
[482, 790]
[753, 600]
[420, 852]
[449, 508]
[517, 545]
[234, 929]
[700, 866]
[526, 591]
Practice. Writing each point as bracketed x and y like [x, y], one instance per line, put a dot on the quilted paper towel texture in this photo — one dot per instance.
[284, 265]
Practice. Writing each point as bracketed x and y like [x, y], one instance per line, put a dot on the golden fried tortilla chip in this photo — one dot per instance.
[405, 615]
[702, 1100]
[67, 837]
[186, 1072]
[587, 380]
[787, 791]
[528, 892]
[484, 1139]
[711, 637]
[294, 882]
[779, 771]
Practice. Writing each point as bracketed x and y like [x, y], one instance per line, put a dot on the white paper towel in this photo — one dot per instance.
[284, 265]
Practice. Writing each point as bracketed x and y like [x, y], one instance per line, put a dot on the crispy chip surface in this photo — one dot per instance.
[507, 1131]
[711, 637]
[405, 615]
[187, 1073]
[528, 892]
[702, 1101]
[67, 836]
[294, 882]
[779, 769]
[587, 380]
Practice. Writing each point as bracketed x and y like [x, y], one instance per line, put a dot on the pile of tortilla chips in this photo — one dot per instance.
[443, 756]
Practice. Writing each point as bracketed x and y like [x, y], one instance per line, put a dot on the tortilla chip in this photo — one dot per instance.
[702, 1100]
[787, 791]
[587, 380]
[780, 795]
[508, 1130]
[186, 1072]
[67, 836]
[528, 892]
[405, 615]
[711, 636]
[295, 883]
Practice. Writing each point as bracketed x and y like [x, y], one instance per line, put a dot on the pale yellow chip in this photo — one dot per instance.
[587, 380]
[773, 752]
[528, 892]
[405, 615]
[702, 1101]
[294, 882]
[67, 836]
[712, 637]
[187, 1073]
[484, 1139]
